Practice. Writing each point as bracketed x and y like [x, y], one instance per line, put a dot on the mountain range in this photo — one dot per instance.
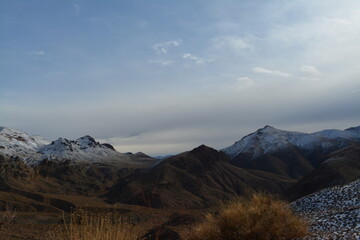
[34, 171]
[34, 149]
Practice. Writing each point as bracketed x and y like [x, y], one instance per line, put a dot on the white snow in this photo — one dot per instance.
[17, 143]
[335, 134]
[268, 140]
[82, 149]
[35, 149]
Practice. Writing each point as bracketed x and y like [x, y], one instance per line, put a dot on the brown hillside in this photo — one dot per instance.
[340, 167]
[195, 179]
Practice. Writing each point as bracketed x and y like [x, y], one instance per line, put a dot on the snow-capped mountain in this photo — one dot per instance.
[268, 140]
[289, 153]
[82, 149]
[34, 149]
[349, 134]
[17, 143]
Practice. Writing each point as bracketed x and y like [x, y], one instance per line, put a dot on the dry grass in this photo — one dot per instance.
[6, 218]
[85, 225]
[259, 218]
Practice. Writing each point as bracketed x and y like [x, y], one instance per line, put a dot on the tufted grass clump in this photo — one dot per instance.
[86, 225]
[261, 217]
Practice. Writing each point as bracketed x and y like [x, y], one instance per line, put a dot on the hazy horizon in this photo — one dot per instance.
[164, 77]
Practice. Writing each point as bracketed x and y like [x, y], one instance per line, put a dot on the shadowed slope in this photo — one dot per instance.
[341, 167]
[195, 179]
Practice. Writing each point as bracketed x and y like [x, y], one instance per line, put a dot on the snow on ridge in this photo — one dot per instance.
[17, 143]
[13, 136]
[269, 139]
[82, 149]
[35, 149]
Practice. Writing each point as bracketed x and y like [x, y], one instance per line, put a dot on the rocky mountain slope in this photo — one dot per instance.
[333, 213]
[291, 154]
[195, 179]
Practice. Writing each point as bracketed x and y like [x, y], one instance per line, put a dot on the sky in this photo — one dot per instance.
[163, 77]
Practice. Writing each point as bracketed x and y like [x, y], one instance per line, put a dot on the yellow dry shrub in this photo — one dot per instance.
[259, 218]
[85, 225]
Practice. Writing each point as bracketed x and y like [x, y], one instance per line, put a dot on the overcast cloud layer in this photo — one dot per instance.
[165, 76]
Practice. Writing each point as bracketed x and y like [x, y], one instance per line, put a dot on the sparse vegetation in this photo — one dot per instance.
[260, 217]
[85, 225]
[6, 218]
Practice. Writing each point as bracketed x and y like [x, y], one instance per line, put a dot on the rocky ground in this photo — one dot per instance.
[333, 213]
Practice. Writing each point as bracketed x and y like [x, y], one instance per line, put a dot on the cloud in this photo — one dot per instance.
[244, 79]
[162, 62]
[311, 70]
[244, 82]
[336, 20]
[162, 48]
[234, 43]
[39, 55]
[271, 72]
[197, 60]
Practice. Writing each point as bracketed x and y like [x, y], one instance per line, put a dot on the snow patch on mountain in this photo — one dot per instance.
[338, 134]
[34, 149]
[82, 149]
[268, 140]
[17, 143]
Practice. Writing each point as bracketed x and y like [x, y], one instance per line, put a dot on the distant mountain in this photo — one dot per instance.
[17, 143]
[34, 150]
[194, 179]
[340, 167]
[82, 149]
[291, 154]
[32, 169]
[348, 134]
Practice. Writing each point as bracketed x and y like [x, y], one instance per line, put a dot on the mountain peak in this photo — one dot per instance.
[87, 137]
[205, 153]
[86, 141]
[202, 148]
[268, 129]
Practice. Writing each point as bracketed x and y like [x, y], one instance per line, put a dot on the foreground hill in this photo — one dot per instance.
[340, 167]
[333, 213]
[291, 154]
[195, 179]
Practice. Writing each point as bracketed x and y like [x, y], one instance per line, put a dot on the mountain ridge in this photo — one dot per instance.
[289, 153]
[33, 149]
